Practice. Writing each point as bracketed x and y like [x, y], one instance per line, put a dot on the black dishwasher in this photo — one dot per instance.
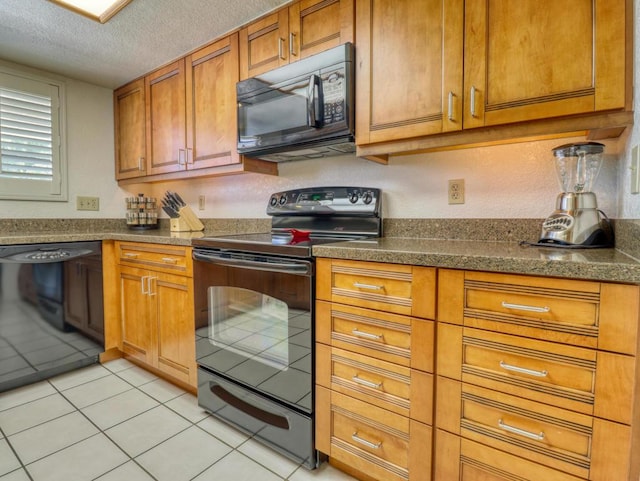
[51, 310]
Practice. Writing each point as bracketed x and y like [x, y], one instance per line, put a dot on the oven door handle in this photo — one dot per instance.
[303, 268]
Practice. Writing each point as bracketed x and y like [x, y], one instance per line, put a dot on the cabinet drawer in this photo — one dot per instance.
[399, 339]
[555, 437]
[582, 313]
[376, 441]
[395, 288]
[583, 380]
[465, 460]
[399, 389]
[166, 258]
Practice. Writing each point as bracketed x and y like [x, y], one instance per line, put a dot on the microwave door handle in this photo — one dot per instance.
[314, 102]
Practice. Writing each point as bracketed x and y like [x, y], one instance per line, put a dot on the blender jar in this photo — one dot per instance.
[578, 165]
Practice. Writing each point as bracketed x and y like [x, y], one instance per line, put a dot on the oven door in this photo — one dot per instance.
[254, 322]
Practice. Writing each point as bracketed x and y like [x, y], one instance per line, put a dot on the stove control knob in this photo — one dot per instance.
[367, 197]
[283, 199]
[353, 197]
[273, 201]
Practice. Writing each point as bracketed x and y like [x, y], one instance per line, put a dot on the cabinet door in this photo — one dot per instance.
[317, 25]
[129, 115]
[83, 304]
[175, 326]
[166, 131]
[211, 76]
[535, 59]
[264, 44]
[137, 315]
[409, 68]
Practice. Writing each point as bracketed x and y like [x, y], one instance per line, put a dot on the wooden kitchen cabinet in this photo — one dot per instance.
[189, 119]
[537, 59]
[374, 368]
[408, 68]
[428, 67]
[83, 303]
[305, 28]
[156, 308]
[536, 378]
[130, 130]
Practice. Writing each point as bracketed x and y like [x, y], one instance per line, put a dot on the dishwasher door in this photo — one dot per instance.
[51, 310]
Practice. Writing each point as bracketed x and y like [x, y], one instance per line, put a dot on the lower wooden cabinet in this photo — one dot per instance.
[83, 303]
[156, 321]
[536, 379]
[374, 368]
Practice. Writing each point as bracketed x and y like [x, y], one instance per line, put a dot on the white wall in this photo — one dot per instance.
[507, 181]
[630, 203]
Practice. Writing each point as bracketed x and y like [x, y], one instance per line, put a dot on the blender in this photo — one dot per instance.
[577, 221]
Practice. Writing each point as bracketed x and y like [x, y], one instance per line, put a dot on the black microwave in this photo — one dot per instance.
[303, 110]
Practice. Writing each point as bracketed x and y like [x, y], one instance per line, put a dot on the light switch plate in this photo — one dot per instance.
[635, 170]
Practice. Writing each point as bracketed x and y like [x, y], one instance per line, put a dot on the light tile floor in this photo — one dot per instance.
[116, 422]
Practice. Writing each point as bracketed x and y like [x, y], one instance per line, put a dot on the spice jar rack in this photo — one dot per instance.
[142, 212]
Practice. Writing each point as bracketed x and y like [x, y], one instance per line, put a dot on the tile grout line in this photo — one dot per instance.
[23, 467]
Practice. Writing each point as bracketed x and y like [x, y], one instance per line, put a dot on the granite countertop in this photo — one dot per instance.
[510, 257]
[397, 247]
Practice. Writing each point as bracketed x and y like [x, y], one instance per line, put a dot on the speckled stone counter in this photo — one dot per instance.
[596, 264]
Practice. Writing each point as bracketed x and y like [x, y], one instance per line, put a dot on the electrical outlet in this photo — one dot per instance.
[87, 203]
[456, 191]
[201, 202]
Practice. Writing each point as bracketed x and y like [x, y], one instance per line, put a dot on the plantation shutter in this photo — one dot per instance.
[31, 153]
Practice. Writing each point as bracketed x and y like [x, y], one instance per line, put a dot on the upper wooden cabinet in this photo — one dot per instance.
[166, 119]
[303, 29]
[535, 59]
[409, 58]
[129, 113]
[180, 120]
[428, 67]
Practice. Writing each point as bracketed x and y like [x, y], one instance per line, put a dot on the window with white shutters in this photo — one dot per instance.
[32, 154]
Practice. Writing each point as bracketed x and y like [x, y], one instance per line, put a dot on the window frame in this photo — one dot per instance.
[35, 190]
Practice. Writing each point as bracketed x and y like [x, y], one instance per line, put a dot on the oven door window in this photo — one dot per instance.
[250, 324]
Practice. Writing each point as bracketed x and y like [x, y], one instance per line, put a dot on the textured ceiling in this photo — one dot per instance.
[141, 37]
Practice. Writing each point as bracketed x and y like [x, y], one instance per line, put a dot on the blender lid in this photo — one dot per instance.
[572, 150]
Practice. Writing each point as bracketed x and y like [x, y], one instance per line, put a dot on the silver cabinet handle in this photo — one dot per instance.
[169, 260]
[292, 50]
[149, 280]
[368, 444]
[364, 382]
[181, 156]
[281, 48]
[144, 280]
[521, 432]
[189, 155]
[359, 285]
[523, 307]
[141, 163]
[366, 335]
[450, 107]
[131, 255]
[473, 102]
[523, 370]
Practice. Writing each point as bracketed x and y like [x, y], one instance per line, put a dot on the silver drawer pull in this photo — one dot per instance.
[523, 370]
[521, 432]
[522, 307]
[367, 286]
[169, 260]
[131, 255]
[366, 335]
[364, 382]
[368, 444]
